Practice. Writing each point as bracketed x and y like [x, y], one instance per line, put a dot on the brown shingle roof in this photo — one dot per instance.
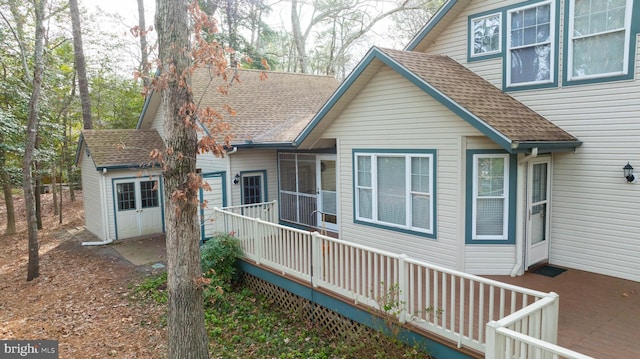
[271, 110]
[497, 109]
[121, 148]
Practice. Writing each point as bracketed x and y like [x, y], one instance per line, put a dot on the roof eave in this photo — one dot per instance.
[274, 145]
[545, 146]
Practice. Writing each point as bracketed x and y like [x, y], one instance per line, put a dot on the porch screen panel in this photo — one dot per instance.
[392, 199]
[307, 174]
[287, 172]
[298, 188]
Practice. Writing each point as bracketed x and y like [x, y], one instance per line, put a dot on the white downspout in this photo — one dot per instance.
[520, 209]
[230, 175]
[105, 215]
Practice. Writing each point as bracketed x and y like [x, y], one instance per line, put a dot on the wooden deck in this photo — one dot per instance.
[599, 315]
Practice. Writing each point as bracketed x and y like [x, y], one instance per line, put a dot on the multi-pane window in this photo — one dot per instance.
[126, 196]
[149, 194]
[530, 59]
[490, 196]
[251, 189]
[486, 35]
[598, 38]
[395, 190]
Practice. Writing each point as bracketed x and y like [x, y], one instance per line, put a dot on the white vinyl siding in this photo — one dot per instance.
[395, 190]
[531, 46]
[92, 195]
[595, 232]
[247, 160]
[598, 43]
[490, 196]
[392, 113]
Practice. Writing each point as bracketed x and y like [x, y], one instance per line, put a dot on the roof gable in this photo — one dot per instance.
[120, 148]
[432, 29]
[267, 111]
[508, 122]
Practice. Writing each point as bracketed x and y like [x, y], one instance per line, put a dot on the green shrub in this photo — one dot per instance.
[219, 260]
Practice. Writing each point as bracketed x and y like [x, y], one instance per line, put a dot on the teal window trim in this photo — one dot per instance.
[471, 56]
[406, 153]
[555, 38]
[511, 198]
[632, 29]
[250, 173]
[222, 176]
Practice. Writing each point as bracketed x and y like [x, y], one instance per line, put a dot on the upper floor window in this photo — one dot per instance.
[598, 38]
[531, 44]
[395, 190]
[486, 35]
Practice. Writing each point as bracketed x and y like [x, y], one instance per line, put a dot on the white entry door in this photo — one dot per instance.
[138, 208]
[538, 199]
[327, 194]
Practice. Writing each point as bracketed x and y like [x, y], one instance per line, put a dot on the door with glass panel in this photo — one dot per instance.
[327, 213]
[138, 209]
[538, 209]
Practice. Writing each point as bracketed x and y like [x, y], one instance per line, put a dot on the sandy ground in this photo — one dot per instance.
[83, 297]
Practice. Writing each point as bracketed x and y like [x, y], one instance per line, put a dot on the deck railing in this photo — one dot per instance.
[461, 307]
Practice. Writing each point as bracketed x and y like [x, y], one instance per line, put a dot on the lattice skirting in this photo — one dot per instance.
[332, 322]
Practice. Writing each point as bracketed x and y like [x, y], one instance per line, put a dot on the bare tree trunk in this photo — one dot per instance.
[33, 268]
[38, 185]
[144, 48]
[187, 335]
[54, 190]
[78, 52]
[8, 198]
[298, 37]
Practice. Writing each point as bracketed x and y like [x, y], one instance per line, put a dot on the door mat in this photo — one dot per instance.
[549, 271]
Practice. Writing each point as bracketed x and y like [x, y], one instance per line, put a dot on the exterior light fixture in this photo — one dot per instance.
[628, 173]
[236, 179]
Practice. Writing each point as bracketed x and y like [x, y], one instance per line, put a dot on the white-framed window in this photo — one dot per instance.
[598, 38]
[395, 190]
[486, 35]
[531, 44]
[490, 196]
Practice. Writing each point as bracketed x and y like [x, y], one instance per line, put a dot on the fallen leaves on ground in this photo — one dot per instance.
[83, 296]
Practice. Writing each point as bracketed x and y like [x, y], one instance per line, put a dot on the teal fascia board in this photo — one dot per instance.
[444, 9]
[273, 145]
[375, 53]
[344, 87]
[435, 349]
[147, 101]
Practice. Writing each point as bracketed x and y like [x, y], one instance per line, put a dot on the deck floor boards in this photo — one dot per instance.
[599, 315]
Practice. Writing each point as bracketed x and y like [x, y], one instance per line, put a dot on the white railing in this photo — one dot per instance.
[529, 333]
[266, 211]
[464, 308]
